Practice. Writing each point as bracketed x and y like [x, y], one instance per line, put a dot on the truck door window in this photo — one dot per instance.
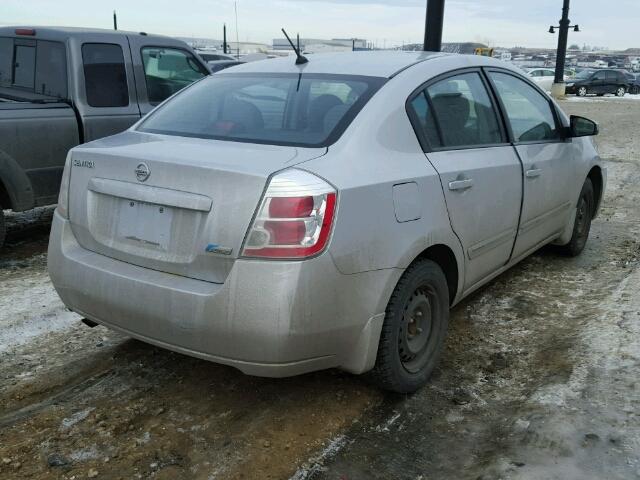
[169, 70]
[105, 75]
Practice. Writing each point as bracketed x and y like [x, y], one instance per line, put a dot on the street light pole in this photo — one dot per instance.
[224, 39]
[559, 88]
[433, 26]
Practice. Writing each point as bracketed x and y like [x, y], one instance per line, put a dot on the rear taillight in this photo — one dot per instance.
[63, 196]
[294, 219]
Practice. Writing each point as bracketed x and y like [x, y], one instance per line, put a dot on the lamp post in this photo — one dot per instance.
[559, 88]
[433, 26]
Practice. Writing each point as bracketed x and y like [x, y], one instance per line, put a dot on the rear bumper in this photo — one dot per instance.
[269, 318]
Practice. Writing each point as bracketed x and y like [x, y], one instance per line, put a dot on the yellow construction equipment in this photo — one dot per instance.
[484, 51]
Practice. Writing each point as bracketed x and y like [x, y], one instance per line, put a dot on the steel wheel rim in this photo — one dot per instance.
[582, 91]
[621, 92]
[416, 338]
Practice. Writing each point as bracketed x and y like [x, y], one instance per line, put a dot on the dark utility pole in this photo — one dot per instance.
[224, 39]
[563, 37]
[115, 20]
[433, 26]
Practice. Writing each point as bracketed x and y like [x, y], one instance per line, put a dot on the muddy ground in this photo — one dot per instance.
[540, 378]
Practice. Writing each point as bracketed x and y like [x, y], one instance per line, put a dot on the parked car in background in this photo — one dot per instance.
[284, 218]
[634, 82]
[598, 82]
[217, 65]
[543, 77]
[60, 87]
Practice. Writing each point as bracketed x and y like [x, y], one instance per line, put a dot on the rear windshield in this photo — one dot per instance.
[279, 109]
[34, 66]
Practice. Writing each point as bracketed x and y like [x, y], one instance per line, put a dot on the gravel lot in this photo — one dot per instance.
[539, 379]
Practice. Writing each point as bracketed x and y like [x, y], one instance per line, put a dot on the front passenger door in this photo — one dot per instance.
[480, 173]
[546, 157]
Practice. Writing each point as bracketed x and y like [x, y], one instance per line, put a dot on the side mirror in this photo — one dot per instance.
[582, 127]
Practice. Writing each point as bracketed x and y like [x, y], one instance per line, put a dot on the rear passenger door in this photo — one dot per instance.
[547, 159]
[458, 126]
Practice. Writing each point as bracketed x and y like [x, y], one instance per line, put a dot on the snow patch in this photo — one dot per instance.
[69, 422]
[34, 309]
[316, 464]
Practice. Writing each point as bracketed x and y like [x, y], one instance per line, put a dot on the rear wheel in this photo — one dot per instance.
[414, 329]
[582, 223]
[621, 91]
[582, 92]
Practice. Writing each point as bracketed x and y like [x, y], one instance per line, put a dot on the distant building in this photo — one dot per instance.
[313, 45]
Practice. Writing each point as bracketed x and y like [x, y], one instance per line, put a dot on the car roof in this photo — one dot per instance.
[372, 64]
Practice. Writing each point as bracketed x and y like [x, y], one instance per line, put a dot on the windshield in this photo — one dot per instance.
[33, 67]
[279, 109]
[583, 75]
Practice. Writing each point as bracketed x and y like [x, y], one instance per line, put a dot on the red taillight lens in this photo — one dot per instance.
[25, 31]
[290, 207]
[290, 225]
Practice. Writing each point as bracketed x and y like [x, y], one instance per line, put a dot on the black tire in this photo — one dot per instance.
[3, 230]
[414, 329]
[582, 223]
[620, 91]
[582, 91]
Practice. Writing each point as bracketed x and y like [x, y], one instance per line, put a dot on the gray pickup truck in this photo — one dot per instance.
[60, 87]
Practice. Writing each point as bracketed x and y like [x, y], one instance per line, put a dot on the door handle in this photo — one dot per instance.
[461, 184]
[533, 173]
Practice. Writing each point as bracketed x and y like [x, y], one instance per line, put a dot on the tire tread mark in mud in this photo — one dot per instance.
[10, 418]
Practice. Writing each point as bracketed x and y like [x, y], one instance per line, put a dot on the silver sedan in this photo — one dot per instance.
[284, 218]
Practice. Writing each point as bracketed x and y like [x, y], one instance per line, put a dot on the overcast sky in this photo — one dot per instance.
[506, 23]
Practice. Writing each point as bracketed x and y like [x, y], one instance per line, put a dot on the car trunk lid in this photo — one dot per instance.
[174, 204]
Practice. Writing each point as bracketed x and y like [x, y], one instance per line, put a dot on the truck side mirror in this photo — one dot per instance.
[583, 127]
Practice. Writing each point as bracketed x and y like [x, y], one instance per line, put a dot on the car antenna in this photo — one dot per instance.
[300, 59]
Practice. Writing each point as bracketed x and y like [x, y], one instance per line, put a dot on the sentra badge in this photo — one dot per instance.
[83, 163]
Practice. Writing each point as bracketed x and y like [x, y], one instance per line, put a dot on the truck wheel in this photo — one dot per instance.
[621, 91]
[582, 224]
[582, 92]
[2, 227]
[414, 329]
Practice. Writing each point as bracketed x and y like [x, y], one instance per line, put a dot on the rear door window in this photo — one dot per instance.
[529, 112]
[457, 112]
[169, 70]
[105, 75]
